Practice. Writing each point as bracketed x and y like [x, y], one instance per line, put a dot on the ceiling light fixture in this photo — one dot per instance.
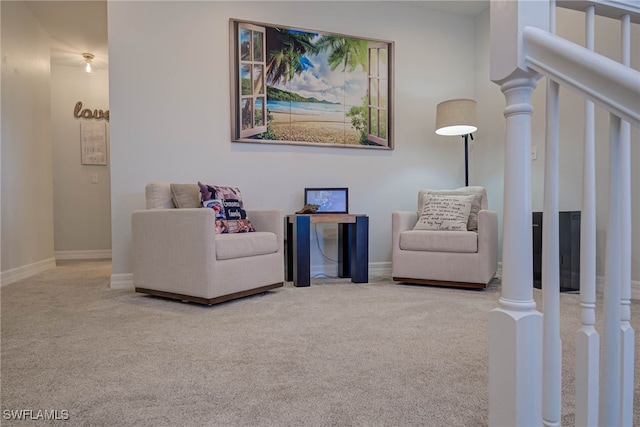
[88, 57]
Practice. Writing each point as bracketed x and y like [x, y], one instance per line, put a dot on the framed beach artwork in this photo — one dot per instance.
[305, 87]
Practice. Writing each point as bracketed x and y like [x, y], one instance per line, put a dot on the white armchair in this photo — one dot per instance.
[177, 254]
[443, 257]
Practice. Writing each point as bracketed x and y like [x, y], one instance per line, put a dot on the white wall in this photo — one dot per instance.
[82, 209]
[27, 191]
[170, 120]
[486, 159]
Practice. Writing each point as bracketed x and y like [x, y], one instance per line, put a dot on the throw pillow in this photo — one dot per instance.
[185, 195]
[205, 193]
[228, 206]
[472, 223]
[441, 212]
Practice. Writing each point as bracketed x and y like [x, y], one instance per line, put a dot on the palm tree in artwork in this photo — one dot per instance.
[343, 51]
[287, 49]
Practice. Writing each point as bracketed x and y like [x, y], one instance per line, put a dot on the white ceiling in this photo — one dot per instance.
[78, 26]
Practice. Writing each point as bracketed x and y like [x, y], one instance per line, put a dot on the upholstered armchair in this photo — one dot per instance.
[178, 254]
[466, 257]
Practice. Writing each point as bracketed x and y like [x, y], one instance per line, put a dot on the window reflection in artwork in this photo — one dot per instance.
[378, 94]
[251, 84]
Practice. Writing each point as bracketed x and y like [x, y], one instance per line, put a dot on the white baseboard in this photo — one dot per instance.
[121, 281]
[331, 270]
[19, 273]
[93, 254]
[380, 268]
[125, 281]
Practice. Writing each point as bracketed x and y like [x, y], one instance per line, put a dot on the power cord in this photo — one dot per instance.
[315, 231]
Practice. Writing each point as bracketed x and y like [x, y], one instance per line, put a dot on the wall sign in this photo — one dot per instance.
[80, 113]
[93, 143]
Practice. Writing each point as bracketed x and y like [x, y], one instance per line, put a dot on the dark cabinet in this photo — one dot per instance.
[569, 228]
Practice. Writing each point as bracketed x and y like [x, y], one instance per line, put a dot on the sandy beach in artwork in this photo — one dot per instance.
[325, 128]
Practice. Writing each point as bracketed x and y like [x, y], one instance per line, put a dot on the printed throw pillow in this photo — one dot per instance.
[472, 223]
[440, 212]
[227, 204]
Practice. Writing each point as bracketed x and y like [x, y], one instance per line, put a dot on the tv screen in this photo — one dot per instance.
[329, 200]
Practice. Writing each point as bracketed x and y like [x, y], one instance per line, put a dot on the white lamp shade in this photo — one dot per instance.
[456, 117]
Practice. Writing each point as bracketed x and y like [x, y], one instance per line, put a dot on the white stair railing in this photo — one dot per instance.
[627, 333]
[587, 337]
[551, 345]
[523, 391]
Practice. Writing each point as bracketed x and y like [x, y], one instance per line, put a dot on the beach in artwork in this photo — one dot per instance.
[325, 123]
[313, 128]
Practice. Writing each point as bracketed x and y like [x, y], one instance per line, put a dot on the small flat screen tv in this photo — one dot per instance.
[329, 200]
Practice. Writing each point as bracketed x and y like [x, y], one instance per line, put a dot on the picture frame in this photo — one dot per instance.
[329, 200]
[306, 87]
[93, 143]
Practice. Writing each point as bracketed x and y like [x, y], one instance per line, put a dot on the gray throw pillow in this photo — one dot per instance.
[185, 195]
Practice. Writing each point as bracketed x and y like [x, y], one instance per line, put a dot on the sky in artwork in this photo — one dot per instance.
[317, 80]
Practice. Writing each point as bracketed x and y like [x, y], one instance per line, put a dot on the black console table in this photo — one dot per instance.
[353, 246]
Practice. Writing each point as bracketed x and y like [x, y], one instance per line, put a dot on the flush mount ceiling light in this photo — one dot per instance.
[88, 57]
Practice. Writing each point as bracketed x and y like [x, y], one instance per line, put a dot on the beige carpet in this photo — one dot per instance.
[333, 354]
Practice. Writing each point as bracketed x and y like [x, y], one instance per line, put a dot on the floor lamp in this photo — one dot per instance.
[458, 117]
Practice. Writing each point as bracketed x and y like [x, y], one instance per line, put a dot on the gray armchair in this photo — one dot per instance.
[443, 257]
[177, 254]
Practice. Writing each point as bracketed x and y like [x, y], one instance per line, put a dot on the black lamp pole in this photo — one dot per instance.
[466, 158]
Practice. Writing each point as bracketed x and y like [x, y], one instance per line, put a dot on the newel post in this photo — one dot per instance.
[515, 326]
